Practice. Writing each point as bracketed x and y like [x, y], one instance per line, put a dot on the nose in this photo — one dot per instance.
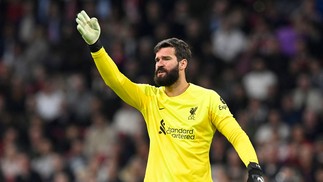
[159, 63]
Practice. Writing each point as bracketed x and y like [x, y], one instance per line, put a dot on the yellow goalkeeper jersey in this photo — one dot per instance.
[180, 128]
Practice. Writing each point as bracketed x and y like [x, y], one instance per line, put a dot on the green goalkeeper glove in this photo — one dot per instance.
[88, 27]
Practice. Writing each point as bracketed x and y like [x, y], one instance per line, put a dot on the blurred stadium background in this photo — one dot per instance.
[59, 122]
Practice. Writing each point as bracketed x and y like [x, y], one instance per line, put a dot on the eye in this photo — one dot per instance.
[167, 58]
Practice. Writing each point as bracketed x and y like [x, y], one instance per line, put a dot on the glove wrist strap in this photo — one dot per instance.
[253, 165]
[96, 46]
[254, 168]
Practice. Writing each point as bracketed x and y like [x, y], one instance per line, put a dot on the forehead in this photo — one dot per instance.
[166, 51]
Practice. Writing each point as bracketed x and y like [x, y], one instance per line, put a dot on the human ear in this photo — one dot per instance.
[182, 64]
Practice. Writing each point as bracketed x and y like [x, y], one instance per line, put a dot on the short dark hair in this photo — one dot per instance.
[182, 49]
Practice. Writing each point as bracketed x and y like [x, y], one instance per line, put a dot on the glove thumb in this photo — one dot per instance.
[95, 24]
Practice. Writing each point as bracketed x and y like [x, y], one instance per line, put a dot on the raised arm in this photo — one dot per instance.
[128, 91]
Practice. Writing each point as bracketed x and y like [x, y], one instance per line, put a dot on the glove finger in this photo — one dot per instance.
[80, 22]
[85, 16]
[95, 23]
[81, 29]
[80, 19]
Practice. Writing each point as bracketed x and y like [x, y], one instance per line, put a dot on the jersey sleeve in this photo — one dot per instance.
[128, 91]
[226, 124]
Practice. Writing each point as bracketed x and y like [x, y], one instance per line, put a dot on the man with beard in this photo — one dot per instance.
[181, 117]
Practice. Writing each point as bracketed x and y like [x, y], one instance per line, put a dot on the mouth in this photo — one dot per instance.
[160, 72]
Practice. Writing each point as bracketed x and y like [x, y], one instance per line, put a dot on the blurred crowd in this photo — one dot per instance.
[60, 123]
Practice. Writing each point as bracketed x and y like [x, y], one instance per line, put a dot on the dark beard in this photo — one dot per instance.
[169, 79]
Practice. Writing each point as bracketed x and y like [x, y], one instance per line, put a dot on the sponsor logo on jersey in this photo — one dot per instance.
[177, 133]
[162, 127]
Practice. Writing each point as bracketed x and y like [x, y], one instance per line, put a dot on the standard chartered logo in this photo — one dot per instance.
[181, 133]
[178, 133]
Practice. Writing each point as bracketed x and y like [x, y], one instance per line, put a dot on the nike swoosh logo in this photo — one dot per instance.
[161, 108]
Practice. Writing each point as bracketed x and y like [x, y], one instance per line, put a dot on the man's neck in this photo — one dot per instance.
[176, 89]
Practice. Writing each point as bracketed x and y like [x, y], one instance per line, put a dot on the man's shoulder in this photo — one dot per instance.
[149, 89]
[198, 88]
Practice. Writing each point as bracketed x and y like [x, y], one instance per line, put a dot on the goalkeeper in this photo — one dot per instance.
[181, 117]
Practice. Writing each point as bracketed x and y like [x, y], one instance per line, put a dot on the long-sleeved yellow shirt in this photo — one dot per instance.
[180, 128]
